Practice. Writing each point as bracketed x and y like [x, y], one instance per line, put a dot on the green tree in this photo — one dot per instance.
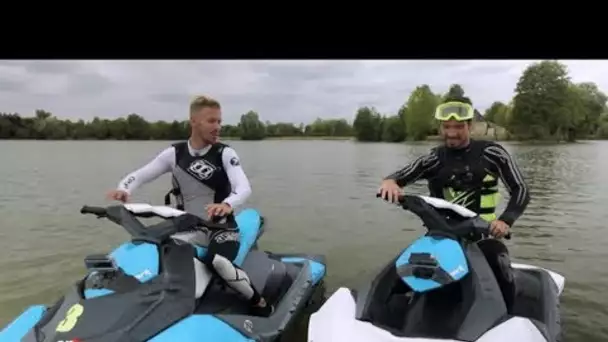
[230, 131]
[496, 113]
[402, 114]
[329, 128]
[43, 125]
[99, 128]
[547, 105]
[593, 101]
[80, 130]
[282, 129]
[394, 129]
[319, 127]
[251, 127]
[542, 107]
[367, 124]
[419, 118]
[137, 127]
[117, 129]
[55, 129]
[339, 128]
[455, 91]
[42, 115]
[602, 130]
[40, 121]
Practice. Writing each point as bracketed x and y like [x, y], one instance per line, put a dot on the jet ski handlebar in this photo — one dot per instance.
[443, 217]
[175, 221]
[98, 211]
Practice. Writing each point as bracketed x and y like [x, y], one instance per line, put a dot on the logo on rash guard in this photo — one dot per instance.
[235, 161]
[128, 182]
[201, 169]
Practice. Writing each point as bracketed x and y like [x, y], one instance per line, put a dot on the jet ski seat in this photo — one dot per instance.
[396, 307]
[535, 297]
[448, 305]
[267, 275]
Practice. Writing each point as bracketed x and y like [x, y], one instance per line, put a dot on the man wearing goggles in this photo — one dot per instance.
[466, 172]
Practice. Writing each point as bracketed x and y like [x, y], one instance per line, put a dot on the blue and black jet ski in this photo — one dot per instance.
[442, 288]
[154, 287]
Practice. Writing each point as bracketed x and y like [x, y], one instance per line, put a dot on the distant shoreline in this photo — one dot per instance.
[430, 138]
[295, 138]
[221, 138]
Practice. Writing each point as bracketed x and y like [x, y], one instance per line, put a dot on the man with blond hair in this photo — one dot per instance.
[208, 181]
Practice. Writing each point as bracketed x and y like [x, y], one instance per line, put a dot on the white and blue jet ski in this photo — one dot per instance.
[442, 289]
[154, 288]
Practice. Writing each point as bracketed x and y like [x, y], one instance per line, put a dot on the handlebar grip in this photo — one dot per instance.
[400, 199]
[99, 211]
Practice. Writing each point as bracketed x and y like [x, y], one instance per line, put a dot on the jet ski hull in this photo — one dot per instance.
[173, 302]
[229, 322]
[336, 321]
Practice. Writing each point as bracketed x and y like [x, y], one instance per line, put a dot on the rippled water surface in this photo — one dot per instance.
[318, 197]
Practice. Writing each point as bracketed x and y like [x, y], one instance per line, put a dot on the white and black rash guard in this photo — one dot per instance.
[199, 174]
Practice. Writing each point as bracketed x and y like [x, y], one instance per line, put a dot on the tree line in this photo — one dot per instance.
[547, 106]
[44, 126]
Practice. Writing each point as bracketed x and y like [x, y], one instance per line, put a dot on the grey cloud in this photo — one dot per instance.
[52, 67]
[170, 98]
[297, 91]
[88, 84]
[11, 86]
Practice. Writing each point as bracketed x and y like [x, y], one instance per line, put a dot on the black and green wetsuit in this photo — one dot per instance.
[469, 177]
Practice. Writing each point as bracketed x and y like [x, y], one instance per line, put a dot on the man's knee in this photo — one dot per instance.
[221, 252]
[225, 243]
[492, 247]
[504, 265]
[220, 264]
[498, 258]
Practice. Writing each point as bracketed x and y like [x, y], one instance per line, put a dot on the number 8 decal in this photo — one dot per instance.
[71, 318]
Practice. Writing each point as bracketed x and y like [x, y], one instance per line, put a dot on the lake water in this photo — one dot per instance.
[317, 196]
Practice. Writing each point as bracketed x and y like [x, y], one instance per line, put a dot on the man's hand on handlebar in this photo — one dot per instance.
[218, 210]
[389, 191]
[499, 229]
[118, 195]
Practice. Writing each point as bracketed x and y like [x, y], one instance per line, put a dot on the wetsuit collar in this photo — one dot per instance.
[462, 149]
[199, 152]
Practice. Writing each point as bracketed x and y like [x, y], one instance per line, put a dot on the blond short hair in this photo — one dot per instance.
[201, 102]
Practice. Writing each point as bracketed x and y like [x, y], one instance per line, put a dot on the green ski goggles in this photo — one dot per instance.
[454, 110]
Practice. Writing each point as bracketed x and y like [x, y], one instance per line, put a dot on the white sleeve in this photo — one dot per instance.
[160, 165]
[241, 189]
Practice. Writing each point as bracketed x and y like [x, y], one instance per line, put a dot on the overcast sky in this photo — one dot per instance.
[292, 91]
